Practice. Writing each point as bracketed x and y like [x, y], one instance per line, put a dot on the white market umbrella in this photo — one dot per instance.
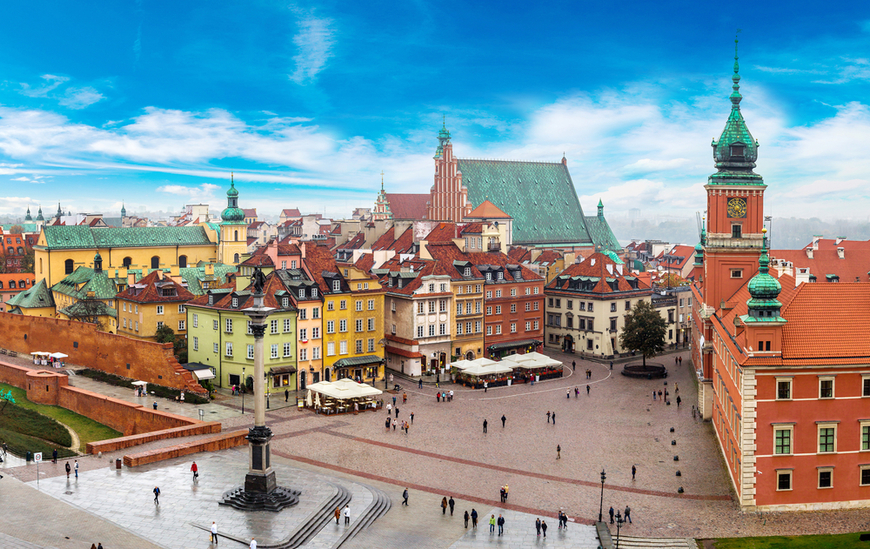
[317, 400]
[308, 399]
[58, 355]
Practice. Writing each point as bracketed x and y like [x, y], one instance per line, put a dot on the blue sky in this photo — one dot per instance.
[154, 103]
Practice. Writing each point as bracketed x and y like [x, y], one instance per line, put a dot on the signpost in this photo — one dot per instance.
[37, 457]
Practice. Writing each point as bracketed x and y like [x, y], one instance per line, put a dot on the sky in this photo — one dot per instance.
[154, 104]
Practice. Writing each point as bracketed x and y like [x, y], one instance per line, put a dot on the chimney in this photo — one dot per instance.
[810, 251]
[840, 239]
[424, 250]
[816, 238]
[841, 252]
[302, 247]
[536, 254]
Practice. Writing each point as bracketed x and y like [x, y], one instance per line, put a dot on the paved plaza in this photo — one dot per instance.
[446, 453]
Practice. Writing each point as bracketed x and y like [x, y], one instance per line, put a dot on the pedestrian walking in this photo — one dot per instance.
[693, 411]
[660, 395]
[397, 412]
[394, 400]
[156, 495]
[628, 514]
[576, 391]
[491, 524]
[676, 388]
[253, 544]
[387, 423]
[389, 408]
[337, 514]
[611, 514]
[554, 418]
[573, 365]
[568, 394]
[438, 396]
[54, 456]
[473, 518]
[538, 526]
[405, 497]
[407, 427]
[451, 395]
[500, 524]
[420, 383]
[412, 418]
[587, 390]
[633, 471]
[346, 515]
[76, 467]
[394, 424]
[451, 503]
[506, 492]
[68, 469]
[286, 395]
[503, 419]
[484, 426]
[654, 395]
[558, 451]
[544, 528]
[155, 404]
[548, 416]
[195, 470]
[681, 361]
[466, 518]
[214, 538]
[501, 494]
[679, 400]
[559, 515]
[404, 398]
[611, 365]
[444, 506]
[485, 386]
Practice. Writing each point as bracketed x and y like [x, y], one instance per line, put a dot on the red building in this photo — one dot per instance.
[15, 248]
[783, 365]
[12, 284]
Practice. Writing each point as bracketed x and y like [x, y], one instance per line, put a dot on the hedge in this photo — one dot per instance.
[21, 444]
[28, 422]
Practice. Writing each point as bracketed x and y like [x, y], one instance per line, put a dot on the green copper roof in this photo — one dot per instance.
[98, 308]
[602, 237]
[37, 296]
[539, 196]
[736, 151]
[763, 288]
[28, 218]
[83, 237]
[612, 255]
[194, 276]
[28, 227]
[85, 280]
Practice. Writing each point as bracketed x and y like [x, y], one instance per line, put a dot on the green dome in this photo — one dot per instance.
[763, 288]
[232, 192]
[233, 214]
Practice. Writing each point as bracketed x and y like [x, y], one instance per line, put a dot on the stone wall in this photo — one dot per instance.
[211, 444]
[120, 443]
[87, 346]
[129, 418]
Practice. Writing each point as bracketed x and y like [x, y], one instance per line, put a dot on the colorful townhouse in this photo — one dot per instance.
[151, 303]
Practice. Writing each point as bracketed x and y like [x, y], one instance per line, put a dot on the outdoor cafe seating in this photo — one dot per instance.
[342, 396]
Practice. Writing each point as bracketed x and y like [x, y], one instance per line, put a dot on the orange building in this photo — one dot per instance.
[782, 364]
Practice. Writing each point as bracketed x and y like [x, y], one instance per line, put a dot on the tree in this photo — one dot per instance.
[27, 261]
[16, 229]
[88, 310]
[644, 330]
[164, 334]
[671, 280]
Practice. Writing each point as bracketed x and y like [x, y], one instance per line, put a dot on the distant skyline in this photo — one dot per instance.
[154, 105]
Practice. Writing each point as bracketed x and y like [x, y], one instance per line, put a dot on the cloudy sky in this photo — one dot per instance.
[155, 103]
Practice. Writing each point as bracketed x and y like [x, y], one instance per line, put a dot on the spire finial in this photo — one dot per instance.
[444, 121]
[735, 95]
[382, 180]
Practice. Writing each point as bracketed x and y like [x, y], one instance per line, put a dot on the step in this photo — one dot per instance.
[381, 503]
[630, 542]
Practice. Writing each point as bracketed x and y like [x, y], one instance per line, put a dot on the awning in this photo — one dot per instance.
[403, 352]
[203, 374]
[201, 371]
[344, 389]
[283, 370]
[58, 355]
[140, 383]
[357, 361]
[513, 344]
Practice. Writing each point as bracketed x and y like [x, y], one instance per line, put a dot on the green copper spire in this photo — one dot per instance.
[443, 137]
[123, 210]
[736, 151]
[233, 215]
[27, 218]
[764, 290]
[600, 208]
[59, 211]
[39, 215]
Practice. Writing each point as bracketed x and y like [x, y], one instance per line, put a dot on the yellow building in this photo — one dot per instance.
[87, 295]
[35, 301]
[60, 249]
[151, 303]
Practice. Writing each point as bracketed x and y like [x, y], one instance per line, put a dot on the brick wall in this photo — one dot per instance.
[211, 444]
[120, 443]
[14, 375]
[129, 418]
[87, 346]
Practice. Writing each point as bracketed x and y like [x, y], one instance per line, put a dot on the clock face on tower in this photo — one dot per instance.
[737, 207]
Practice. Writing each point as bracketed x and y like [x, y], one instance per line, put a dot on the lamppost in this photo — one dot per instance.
[269, 389]
[601, 503]
[619, 522]
[243, 389]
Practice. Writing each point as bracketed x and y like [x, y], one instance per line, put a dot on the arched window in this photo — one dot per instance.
[182, 261]
[236, 236]
[20, 250]
[40, 265]
[11, 284]
[236, 258]
[68, 266]
[127, 262]
[155, 262]
[11, 251]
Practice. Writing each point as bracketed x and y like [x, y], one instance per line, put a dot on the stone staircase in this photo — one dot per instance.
[381, 503]
[631, 542]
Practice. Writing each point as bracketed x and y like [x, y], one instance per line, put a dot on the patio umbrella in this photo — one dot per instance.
[58, 355]
[308, 398]
[317, 399]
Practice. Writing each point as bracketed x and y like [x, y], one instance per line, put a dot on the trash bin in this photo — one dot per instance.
[118, 463]
[28, 456]
[509, 382]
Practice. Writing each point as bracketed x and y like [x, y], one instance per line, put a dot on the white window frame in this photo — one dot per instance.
[181, 325]
[330, 348]
[274, 350]
[250, 354]
[195, 343]
[819, 427]
[228, 326]
[195, 320]
[342, 347]
[160, 309]
[784, 428]
[216, 348]
[228, 350]
[833, 380]
[288, 350]
[790, 473]
[790, 382]
[819, 471]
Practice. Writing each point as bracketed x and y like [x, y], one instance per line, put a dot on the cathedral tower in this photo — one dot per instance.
[448, 198]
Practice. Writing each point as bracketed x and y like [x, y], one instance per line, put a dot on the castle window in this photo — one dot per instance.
[783, 479]
[68, 266]
[736, 230]
[155, 262]
[127, 262]
[182, 261]
[736, 273]
[235, 258]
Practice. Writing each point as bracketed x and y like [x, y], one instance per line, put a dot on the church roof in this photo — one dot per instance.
[84, 280]
[408, 206]
[62, 237]
[487, 210]
[539, 196]
[35, 297]
[601, 234]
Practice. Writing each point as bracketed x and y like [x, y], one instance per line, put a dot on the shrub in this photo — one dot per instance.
[28, 422]
[20, 444]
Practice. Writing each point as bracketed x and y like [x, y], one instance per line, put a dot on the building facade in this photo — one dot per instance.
[151, 303]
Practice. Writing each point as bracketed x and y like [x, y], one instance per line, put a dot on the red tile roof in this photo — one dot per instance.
[443, 232]
[403, 352]
[258, 260]
[472, 228]
[596, 266]
[385, 240]
[250, 212]
[408, 206]
[487, 210]
[826, 320]
[852, 268]
[149, 289]
[291, 212]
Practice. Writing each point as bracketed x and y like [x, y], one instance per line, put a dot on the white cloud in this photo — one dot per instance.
[313, 43]
[51, 82]
[203, 192]
[79, 98]
[22, 178]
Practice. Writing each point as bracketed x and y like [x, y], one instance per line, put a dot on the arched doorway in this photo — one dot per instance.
[568, 344]
[303, 381]
[469, 355]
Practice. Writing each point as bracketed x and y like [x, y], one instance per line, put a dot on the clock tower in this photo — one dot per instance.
[735, 208]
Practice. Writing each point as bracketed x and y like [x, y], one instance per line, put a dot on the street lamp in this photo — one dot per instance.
[619, 522]
[244, 386]
[601, 503]
[269, 389]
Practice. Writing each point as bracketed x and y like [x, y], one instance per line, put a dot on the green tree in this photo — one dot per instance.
[644, 330]
[16, 229]
[164, 334]
[27, 261]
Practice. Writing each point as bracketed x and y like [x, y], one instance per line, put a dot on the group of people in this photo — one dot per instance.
[444, 396]
[403, 425]
[626, 516]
